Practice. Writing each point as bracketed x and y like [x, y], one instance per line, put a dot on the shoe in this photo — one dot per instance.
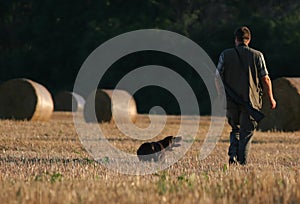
[243, 163]
[232, 160]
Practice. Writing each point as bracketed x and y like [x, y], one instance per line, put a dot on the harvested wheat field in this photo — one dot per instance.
[44, 162]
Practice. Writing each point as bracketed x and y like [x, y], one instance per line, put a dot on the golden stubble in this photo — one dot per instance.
[44, 162]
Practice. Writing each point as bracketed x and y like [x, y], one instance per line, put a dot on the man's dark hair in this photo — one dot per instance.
[242, 33]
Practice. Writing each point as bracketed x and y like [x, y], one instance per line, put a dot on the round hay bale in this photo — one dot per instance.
[110, 105]
[68, 101]
[286, 116]
[23, 99]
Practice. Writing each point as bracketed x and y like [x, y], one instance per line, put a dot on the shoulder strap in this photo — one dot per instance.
[240, 59]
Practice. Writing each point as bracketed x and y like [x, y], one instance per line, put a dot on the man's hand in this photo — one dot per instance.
[273, 103]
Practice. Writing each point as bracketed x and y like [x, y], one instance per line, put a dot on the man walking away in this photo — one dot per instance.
[244, 71]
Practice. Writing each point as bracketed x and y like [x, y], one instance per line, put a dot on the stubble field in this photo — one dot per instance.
[44, 162]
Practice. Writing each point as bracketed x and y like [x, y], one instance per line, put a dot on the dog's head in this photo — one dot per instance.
[171, 141]
[176, 141]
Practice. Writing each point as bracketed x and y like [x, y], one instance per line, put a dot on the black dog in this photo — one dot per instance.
[149, 151]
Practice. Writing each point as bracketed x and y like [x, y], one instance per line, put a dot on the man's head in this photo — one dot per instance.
[242, 35]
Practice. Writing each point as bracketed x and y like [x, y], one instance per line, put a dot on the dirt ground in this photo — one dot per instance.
[45, 162]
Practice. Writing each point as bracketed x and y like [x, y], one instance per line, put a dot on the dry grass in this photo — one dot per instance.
[44, 162]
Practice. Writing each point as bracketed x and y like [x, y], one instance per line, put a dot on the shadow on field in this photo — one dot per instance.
[258, 141]
[18, 160]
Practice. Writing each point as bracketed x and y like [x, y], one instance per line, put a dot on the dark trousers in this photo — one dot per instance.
[243, 127]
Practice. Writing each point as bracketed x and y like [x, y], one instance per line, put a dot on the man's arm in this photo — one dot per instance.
[218, 82]
[266, 81]
[267, 84]
[219, 72]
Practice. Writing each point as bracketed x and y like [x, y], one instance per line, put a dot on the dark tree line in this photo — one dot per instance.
[47, 41]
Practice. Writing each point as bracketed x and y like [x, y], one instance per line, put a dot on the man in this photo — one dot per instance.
[243, 69]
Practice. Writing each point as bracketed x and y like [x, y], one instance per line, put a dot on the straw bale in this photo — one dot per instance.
[286, 116]
[68, 101]
[108, 108]
[24, 99]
